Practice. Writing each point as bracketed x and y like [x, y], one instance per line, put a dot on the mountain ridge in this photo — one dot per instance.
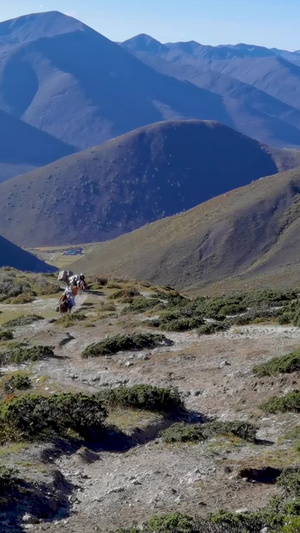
[152, 172]
[23, 147]
[13, 256]
[244, 238]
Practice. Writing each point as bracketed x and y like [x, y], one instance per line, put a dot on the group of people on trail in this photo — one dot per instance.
[75, 284]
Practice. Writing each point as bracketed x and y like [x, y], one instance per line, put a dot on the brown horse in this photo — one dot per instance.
[65, 305]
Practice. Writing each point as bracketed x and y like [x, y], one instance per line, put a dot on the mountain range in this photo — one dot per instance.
[13, 256]
[65, 79]
[153, 172]
[243, 239]
[23, 147]
[260, 87]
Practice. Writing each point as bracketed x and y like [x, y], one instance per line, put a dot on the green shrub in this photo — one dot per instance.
[291, 525]
[35, 416]
[23, 354]
[212, 327]
[182, 432]
[279, 365]
[118, 343]
[289, 481]
[142, 397]
[17, 382]
[8, 480]
[6, 335]
[24, 320]
[24, 298]
[283, 404]
[176, 522]
[139, 305]
[68, 320]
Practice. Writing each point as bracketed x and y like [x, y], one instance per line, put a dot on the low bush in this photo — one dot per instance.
[129, 292]
[279, 365]
[140, 305]
[24, 320]
[142, 397]
[6, 335]
[289, 481]
[182, 432]
[219, 522]
[209, 328]
[22, 354]
[68, 320]
[118, 343]
[17, 382]
[283, 404]
[25, 298]
[35, 417]
[8, 480]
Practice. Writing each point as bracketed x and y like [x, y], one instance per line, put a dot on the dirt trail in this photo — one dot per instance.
[214, 377]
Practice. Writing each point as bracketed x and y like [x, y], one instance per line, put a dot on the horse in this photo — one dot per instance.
[65, 305]
[81, 285]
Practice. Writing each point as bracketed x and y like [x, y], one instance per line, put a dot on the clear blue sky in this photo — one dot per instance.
[272, 23]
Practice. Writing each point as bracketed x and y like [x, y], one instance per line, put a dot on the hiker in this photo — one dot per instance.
[74, 288]
[81, 284]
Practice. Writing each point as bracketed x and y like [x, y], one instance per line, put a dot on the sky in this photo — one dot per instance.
[271, 23]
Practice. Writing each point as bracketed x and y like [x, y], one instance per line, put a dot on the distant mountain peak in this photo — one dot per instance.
[37, 25]
[143, 43]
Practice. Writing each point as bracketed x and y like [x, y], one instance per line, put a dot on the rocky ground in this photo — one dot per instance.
[108, 487]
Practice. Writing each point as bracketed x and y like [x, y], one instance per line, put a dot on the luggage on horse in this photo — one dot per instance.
[64, 275]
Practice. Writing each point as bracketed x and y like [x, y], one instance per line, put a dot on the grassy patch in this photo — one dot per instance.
[24, 320]
[279, 365]
[118, 343]
[283, 404]
[182, 432]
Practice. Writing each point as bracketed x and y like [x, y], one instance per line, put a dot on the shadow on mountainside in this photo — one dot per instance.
[41, 501]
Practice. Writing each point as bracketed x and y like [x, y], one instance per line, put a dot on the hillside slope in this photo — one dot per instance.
[23, 147]
[68, 80]
[247, 77]
[13, 256]
[156, 171]
[234, 240]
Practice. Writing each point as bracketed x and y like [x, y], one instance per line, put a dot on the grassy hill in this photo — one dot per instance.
[150, 173]
[247, 78]
[246, 238]
[23, 148]
[13, 256]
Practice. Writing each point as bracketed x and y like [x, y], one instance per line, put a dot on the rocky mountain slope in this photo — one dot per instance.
[156, 171]
[247, 237]
[13, 256]
[23, 147]
[247, 77]
[68, 80]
